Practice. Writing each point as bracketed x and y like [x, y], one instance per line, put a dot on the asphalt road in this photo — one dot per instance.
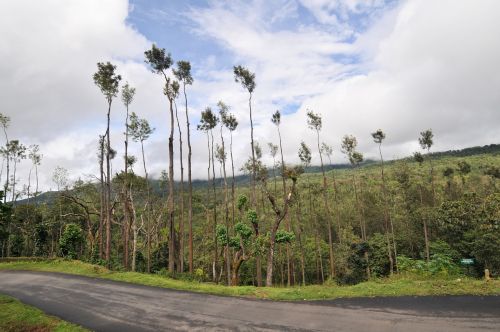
[103, 305]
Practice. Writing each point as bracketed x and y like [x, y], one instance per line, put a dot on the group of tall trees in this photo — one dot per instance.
[346, 225]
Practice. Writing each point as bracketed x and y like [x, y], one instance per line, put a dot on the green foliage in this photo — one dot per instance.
[284, 236]
[158, 59]
[245, 77]
[252, 217]
[314, 121]
[222, 236]
[208, 120]
[71, 240]
[183, 72]
[139, 129]
[426, 139]
[305, 154]
[107, 80]
[243, 230]
[276, 118]
[242, 203]
[41, 240]
[379, 260]
[439, 266]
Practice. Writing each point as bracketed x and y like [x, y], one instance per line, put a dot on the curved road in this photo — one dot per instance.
[103, 305]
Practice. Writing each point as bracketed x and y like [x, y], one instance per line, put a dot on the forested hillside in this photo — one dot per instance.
[278, 224]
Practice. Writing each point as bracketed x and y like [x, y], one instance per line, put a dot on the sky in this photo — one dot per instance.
[402, 66]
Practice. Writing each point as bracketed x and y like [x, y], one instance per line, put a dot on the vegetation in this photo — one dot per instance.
[15, 316]
[338, 225]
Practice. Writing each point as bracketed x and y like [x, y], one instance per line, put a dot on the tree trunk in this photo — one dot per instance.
[226, 210]
[181, 225]
[108, 191]
[190, 184]
[125, 196]
[102, 217]
[270, 260]
[386, 214]
[171, 240]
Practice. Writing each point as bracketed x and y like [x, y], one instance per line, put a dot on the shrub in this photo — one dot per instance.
[71, 241]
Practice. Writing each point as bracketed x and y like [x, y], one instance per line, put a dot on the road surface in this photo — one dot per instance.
[104, 305]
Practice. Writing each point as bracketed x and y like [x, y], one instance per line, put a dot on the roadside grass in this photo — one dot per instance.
[15, 316]
[395, 286]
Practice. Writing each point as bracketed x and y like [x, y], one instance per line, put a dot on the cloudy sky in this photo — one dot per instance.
[403, 66]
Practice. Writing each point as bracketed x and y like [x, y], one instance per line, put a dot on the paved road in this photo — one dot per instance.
[103, 305]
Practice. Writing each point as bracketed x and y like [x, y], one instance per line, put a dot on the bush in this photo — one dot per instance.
[440, 266]
[71, 240]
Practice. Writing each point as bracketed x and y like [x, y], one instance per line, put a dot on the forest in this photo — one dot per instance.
[283, 224]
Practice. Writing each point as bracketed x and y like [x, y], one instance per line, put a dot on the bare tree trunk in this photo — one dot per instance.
[108, 190]
[190, 184]
[149, 211]
[287, 220]
[214, 191]
[386, 214]
[226, 210]
[171, 240]
[134, 230]
[233, 198]
[327, 211]
[280, 215]
[426, 237]
[181, 225]
[125, 197]
[102, 216]
[6, 186]
[361, 224]
[254, 198]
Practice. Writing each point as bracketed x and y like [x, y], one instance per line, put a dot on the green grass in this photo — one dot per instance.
[395, 286]
[15, 316]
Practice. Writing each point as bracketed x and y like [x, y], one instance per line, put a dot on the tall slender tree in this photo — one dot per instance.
[180, 268]
[183, 74]
[140, 130]
[128, 93]
[426, 141]
[378, 138]
[108, 82]
[280, 214]
[276, 120]
[17, 152]
[328, 151]
[222, 156]
[171, 90]
[5, 123]
[231, 124]
[207, 123]
[348, 147]
[315, 123]
[160, 62]
[247, 80]
[36, 157]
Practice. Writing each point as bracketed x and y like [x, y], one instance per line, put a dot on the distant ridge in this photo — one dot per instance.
[48, 197]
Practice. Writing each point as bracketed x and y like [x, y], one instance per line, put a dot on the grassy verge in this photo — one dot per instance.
[396, 286]
[15, 316]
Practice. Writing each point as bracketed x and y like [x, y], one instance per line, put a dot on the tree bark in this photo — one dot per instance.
[171, 240]
[181, 225]
[190, 184]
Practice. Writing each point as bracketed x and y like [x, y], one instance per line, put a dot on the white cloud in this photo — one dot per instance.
[422, 64]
